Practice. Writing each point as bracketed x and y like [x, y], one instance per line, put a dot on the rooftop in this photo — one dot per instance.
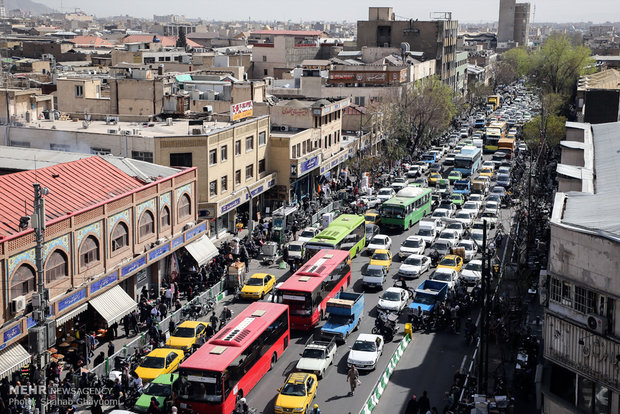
[289, 32]
[607, 79]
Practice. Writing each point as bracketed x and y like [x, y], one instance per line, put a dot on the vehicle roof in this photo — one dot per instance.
[298, 377]
[380, 251]
[165, 379]
[191, 324]
[369, 337]
[260, 275]
[163, 352]
[315, 270]
[414, 237]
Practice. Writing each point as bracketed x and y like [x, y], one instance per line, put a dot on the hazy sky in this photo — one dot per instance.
[334, 10]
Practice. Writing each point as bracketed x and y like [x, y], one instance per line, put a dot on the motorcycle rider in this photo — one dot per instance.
[470, 330]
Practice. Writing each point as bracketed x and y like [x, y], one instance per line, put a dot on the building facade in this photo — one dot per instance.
[514, 24]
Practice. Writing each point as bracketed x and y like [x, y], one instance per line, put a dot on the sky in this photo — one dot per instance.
[471, 11]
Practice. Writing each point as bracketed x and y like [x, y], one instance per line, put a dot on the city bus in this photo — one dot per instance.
[506, 145]
[468, 160]
[307, 291]
[346, 232]
[409, 206]
[494, 132]
[232, 362]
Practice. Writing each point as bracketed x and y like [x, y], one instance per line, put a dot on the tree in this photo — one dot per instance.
[504, 73]
[181, 39]
[549, 130]
[519, 59]
[478, 93]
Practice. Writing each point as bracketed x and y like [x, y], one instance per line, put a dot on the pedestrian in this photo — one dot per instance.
[110, 348]
[99, 359]
[315, 409]
[412, 406]
[424, 403]
[168, 296]
[214, 320]
[153, 407]
[114, 328]
[353, 378]
[209, 331]
[96, 408]
[171, 326]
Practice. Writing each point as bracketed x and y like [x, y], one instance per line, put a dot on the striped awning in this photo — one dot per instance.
[13, 358]
[71, 314]
[113, 305]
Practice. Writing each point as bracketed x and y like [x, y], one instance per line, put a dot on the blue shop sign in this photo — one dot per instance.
[231, 205]
[309, 164]
[2, 347]
[270, 183]
[71, 300]
[101, 283]
[13, 332]
[177, 242]
[257, 190]
[135, 265]
[193, 232]
[159, 251]
[334, 163]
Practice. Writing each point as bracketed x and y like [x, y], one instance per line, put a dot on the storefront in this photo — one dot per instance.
[303, 181]
[330, 168]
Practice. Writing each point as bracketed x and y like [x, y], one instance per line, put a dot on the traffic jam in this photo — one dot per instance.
[402, 255]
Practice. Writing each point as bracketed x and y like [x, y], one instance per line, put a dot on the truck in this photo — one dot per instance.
[427, 296]
[345, 312]
[316, 357]
[461, 187]
[495, 101]
[480, 187]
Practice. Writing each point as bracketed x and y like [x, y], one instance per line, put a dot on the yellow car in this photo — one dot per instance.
[381, 257]
[372, 217]
[432, 179]
[186, 335]
[297, 394]
[258, 285]
[451, 261]
[159, 361]
[486, 172]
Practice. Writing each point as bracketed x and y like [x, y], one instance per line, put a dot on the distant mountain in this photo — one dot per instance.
[27, 5]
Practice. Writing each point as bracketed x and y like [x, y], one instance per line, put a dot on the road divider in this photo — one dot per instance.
[377, 391]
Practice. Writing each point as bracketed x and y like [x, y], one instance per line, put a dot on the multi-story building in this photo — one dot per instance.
[461, 72]
[436, 38]
[514, 24]
[24, 105]
[582, 290]
[598, 97]
[112, 226]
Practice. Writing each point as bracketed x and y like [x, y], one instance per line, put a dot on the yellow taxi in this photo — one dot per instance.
[159, 361]
[486, 172]
[381, 257]
[296, 394]
[433, 177]
[451, 261]
[257, 286]
[186, 335]
[372, 217]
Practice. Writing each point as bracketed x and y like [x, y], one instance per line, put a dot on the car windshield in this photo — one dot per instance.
[307, 233]
[470, 206]
[425, 232]
[313, 353]
[503, 177]
[455, 226]
[440, 213]
[374, 271]
[498, 190]
[447, 235]
[385, 192]
[183, 332]
[153, 362]
[158, 390]
[477, 237]
[380, 256]
[456, 197]
[294, 247]
[294, 390]
[414, 261]
[441, 276]
[465, 245]
[462, 215]
[448, 261]
[411, 243]
[378, 240]
[475, 267]
[366, 346]
[391, 296]
[254, 281]
[488, 214]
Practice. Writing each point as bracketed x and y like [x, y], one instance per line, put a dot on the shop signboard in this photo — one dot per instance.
[177, 242]
[160, 251]
[229, 206]
[13, 332]
[101, 283]
[193, 232]
[71, 300]
[133, 266]
[241, 110]
[309, 164]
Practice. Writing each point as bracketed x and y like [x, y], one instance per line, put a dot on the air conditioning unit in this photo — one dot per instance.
[597, 323]
[18, 304]
[189, 226]
[160, 241]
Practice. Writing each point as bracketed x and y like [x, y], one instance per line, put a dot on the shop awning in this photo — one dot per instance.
[13, 358]
[113, 305]
[202, 250]
[72, 314]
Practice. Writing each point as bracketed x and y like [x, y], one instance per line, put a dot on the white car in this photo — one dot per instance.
[394, 299]
[491, 206]
[490, 216]
[422, 165]
[441, 213]
[428, 234]
[470, 249]
[380, 241]
[450, 276]
[443, 247]
[414, 265]
[385, 194]
[308, 234]
[466, 218]
[449, 235]
[498, 190]
[478, 198]
[365, 352]
[472, 272]
[472, 206]
[412, 245]
[456, 226]
[488, 164]
[371, 201]
[434, 222]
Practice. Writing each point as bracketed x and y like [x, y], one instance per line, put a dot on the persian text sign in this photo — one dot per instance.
[241, 110]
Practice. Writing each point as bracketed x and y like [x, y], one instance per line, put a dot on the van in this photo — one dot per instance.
[477, 142]
[374, 277]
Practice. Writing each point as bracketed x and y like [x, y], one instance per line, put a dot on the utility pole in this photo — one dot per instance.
[482, 357]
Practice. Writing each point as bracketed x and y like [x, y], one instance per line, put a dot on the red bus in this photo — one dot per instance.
[233, 361]
[307, 291]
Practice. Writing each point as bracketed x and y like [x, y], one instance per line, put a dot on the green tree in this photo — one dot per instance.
[519, 59]
[478, 93]
[544, 131]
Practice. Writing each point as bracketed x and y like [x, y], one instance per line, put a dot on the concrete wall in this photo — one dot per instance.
[89, 102]
[574, 134]
[569, 184]
[572, 156]
[506, 23]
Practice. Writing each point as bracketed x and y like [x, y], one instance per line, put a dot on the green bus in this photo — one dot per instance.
[409, 206]
[346, 232]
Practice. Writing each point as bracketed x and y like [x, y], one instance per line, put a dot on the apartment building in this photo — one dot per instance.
[581, 289]
[514, 24]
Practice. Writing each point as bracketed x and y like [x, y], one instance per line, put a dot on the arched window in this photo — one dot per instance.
[56, 267]
[147, 224]
[185, 206]
[89, 251]
[164, 217]
[22, 281]
[120, 237]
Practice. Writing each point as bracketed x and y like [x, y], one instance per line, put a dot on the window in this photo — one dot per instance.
[60, 147]
[238, 147]
[89, 252]
[22, 144]
[261, 166]
[224, 183]
[182, 159]
[238, 177]
[213, 188]
[265, 72]
[120, 237]
[164, 217]
[146, 225]
[249, 143]
[185, 206]
[264, 59]
[303, 147]
[585, 300]
[294, 150]
[212, 157]
[224, 153]
[562, 383]
[262, 138]
[56, 267]
[100, 151]
[142, 156]
[22, 281]
[561, 292]
[249, 172]
[79, 91]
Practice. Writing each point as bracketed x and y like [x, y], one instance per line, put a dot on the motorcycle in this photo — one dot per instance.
[385, 325]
